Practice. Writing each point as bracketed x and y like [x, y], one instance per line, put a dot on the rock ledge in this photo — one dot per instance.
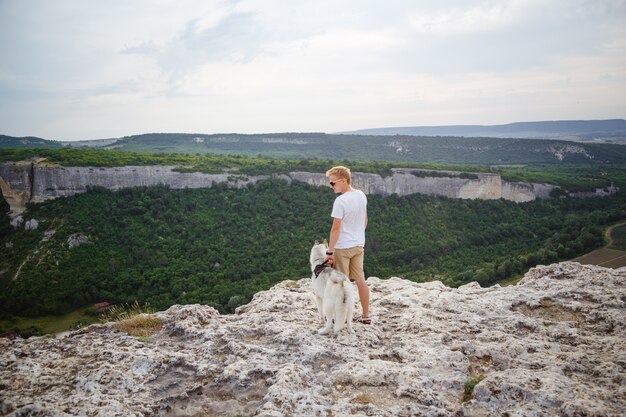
[552, 345]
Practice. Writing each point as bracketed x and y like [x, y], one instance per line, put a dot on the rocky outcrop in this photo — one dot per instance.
[16, 180]
[31, 182]
[76, 239]
[552, 345]
[23, 183]
[404, 182]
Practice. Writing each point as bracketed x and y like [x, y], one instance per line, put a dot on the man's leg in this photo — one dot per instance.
[358, 275]
[342, 261]
[350, 262]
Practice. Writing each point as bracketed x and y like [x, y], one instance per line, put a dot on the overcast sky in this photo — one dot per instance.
[91, 69]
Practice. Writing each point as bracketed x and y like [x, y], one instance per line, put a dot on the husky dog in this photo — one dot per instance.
[333, 292]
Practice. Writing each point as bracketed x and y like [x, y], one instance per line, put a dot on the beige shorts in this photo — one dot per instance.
[350, 262]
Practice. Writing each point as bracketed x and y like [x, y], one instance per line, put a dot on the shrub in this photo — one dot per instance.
[468, 387]
[134, 319]
[125, 311]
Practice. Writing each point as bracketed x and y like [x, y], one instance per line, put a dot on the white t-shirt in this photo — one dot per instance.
[351, 208]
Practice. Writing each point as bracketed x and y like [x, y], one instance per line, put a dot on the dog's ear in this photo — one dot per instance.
[316, 243]
[325, 242]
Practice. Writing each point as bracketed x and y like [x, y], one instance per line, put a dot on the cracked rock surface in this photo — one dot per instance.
[552, 345]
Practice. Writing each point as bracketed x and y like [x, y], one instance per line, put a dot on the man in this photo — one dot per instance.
[347, 235]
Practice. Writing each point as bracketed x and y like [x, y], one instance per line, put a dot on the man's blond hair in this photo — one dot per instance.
[340, 172]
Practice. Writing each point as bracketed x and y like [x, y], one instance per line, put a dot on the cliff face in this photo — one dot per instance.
[402, 182]
[22, 183]
[25, 182]
[16, 182]
[552, 345]
[51, 182]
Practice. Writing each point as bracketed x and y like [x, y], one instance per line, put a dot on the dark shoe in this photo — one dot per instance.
[364, 320]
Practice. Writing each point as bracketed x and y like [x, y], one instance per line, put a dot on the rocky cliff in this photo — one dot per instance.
[552, 345]
[481, 186]
[31, 182]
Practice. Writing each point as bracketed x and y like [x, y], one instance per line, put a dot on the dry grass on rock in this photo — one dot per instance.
[135, 319]
[140, 326]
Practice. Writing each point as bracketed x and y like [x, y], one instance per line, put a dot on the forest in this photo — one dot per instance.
[397, 148]
[219, 246]
[363, 148]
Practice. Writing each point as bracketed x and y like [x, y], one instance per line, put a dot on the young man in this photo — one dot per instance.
[347, 235]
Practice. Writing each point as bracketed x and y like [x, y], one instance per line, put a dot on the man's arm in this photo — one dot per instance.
[334, 235]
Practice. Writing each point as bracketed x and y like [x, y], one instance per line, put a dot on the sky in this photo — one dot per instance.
[93, 69]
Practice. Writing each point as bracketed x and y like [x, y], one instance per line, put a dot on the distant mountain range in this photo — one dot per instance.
[399, 148]
[443, 144]
[603, 131]
[581, 130]
[12, 142]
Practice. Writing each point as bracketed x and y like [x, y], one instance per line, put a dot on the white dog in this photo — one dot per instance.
[333, 292]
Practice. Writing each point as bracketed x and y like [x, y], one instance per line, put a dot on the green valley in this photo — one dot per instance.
[219, 245]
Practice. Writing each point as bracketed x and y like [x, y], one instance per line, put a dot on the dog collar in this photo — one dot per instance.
[319, 268]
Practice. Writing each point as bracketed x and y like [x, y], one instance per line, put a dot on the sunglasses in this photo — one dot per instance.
[332, 183]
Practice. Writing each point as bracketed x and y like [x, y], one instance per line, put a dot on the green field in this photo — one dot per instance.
[608, 258]
[49, 324]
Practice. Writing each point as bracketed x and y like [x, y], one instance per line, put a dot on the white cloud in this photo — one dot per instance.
[482, 18]
[73, 69]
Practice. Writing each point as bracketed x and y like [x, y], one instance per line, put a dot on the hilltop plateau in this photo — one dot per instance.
[563, 142]
[578, 130]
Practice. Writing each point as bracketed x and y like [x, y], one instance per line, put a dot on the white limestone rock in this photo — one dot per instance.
[34, 182]
[17, 221]
[31, 224]
[76, 239]
[552, 345]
